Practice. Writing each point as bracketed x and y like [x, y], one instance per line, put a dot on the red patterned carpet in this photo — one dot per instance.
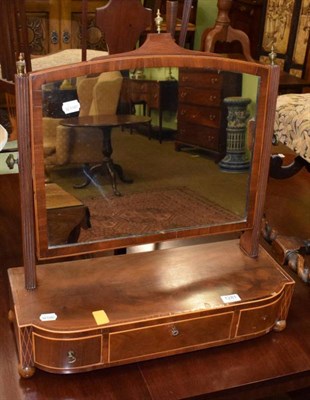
[149, 212]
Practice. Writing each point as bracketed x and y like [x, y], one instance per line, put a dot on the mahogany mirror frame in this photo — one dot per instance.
[157, 51]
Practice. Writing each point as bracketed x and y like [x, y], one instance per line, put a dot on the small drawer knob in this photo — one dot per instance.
[174, 331]
[71, 357]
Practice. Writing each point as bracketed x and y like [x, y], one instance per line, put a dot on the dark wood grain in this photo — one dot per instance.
[10, 226]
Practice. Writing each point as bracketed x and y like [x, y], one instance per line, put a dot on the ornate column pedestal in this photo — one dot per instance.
[236, 159]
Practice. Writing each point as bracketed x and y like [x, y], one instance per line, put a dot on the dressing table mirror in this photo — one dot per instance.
[77, 307]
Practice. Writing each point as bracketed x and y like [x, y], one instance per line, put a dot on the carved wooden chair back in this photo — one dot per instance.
[122, 22]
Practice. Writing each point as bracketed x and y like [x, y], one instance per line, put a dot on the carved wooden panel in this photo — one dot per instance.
[56, 25]
[287, 26]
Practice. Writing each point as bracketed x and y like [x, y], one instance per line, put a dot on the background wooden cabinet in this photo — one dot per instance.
[247, 15]
[55, 25]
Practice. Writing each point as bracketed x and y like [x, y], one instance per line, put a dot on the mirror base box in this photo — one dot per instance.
[100, 312]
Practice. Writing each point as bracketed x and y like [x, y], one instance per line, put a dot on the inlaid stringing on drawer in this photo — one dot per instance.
[67, 353]
[169, 337]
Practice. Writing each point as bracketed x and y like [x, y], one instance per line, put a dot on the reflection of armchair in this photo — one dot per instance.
[63, 145]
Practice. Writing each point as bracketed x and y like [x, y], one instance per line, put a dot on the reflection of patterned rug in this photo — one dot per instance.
[150, 212]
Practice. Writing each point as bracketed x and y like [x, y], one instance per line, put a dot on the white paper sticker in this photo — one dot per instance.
[48, 317]
[230, 298]
[71, 106]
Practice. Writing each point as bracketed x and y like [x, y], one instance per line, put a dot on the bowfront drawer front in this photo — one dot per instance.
[169, 338]
[67, 354]
[203, 136]
[207, 116]
[200, 97]
[200, 79]
[259, 319]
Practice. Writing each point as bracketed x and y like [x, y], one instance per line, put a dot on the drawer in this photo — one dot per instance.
[69, 353]
[200, 79]
[258, 319]
[170, 337]
[207, 116]
[203, 97]
[198, 135]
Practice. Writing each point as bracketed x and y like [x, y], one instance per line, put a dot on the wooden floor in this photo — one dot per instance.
[185, 376]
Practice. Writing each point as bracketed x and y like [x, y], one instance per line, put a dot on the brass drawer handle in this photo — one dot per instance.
[183, 94]
[212, 98]
[212, 117]
[174, 331]
[66, 37]
[214, 80]
[54, 37]
[71, 357]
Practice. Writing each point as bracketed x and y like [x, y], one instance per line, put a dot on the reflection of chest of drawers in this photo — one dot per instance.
[201, 116]
[154, 95]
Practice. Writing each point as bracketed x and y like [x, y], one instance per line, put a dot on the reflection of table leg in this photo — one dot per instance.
[107, 166]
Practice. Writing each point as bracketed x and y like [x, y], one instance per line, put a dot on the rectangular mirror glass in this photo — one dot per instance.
[146, 151]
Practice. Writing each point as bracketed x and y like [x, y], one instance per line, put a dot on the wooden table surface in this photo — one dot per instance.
[274, 363]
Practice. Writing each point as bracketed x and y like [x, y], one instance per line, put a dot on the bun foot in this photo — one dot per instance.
[26, 372]
[280, 325]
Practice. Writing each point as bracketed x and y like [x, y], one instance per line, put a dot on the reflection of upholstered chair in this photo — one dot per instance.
[63, 145]
[292, 128]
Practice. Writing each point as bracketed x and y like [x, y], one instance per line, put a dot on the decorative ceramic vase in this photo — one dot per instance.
[236, 159]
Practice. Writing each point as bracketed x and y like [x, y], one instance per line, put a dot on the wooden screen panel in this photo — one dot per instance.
[55, 25]
[286, 28]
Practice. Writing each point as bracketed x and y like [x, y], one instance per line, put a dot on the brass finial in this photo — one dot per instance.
[20, 64]
[158, 21]
[272, 56]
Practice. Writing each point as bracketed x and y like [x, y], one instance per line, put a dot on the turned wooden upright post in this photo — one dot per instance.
[223, 32]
